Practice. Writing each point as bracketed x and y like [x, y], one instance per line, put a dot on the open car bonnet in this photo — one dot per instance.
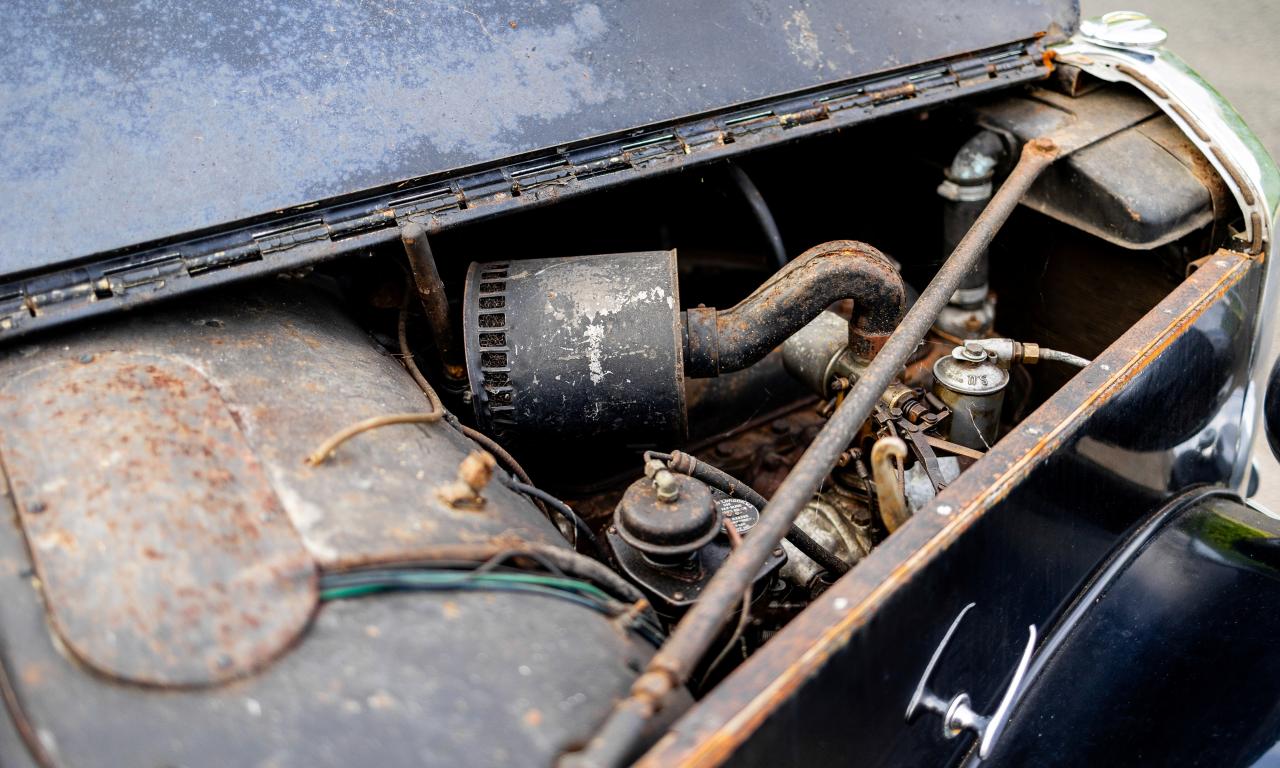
[149, 148]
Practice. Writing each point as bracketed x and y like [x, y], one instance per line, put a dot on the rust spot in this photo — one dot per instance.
[194, 574]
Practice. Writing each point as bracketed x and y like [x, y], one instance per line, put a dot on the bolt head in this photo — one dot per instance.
[666, 486]
[973, 350]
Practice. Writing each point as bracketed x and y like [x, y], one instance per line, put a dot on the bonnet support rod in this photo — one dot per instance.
[620, 736]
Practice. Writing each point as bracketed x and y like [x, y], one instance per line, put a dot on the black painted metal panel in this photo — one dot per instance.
[124, 123]
[1026, 558]
[1169, 658]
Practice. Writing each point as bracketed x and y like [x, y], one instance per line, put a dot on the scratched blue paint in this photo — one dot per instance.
[129, 122]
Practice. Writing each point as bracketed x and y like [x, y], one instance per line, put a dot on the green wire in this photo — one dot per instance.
[383, 580]
[443, 578]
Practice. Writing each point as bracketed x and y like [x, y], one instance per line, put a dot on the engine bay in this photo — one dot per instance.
[601, 404]
[655, 417]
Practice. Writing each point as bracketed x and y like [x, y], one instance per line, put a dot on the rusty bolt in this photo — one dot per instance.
[1043, 145]
[86, 358]
[36, 507]
[474, 474]
[973, 350]
[651, 686]
[477, 469]
[666, 485]
[664, 481]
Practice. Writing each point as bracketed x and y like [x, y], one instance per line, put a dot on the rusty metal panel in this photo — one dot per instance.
[164, 554]
[421, 679]
[293, 369]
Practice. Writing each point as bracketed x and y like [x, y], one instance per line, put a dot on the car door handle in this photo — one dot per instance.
[957, 712]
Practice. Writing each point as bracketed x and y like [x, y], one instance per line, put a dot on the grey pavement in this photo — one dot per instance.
[1233, 46]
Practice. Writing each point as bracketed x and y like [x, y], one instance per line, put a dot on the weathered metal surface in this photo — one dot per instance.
[293, 369]
[972, 384]
[423, 679]
[395, 679]
[125, 124]
[818, 353]
[1136, 180]
[1073, 123]
[164, 555]
[307, 234]
[1018, 532]
[577, 348]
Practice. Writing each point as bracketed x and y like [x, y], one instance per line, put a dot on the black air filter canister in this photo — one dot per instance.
[580, 347]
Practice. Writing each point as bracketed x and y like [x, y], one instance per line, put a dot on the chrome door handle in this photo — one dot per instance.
[957, 714]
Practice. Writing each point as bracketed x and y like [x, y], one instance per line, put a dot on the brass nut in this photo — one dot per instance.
[666, 485]
[474, 473]
[476, 470]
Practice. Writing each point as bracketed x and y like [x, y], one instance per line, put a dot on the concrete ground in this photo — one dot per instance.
[1233, 46]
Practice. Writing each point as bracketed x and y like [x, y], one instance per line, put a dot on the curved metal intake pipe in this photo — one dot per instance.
[722, 341]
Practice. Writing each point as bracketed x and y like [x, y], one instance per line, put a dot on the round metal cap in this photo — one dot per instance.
[970, 370]
[667, 529]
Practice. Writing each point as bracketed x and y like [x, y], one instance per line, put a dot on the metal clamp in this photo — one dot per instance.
[957, 714]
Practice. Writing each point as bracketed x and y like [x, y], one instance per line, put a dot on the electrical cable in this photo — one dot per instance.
[764, 216]
[618, 736]
[491, 446]
[735, 539]
[437, 406]
[437, 412]
[406, 357]
[580, 528]
[331, 443]
[1063, 357]
[354, 584]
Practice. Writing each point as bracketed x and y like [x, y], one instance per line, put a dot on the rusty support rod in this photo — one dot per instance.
[435, 304]
[671, 666]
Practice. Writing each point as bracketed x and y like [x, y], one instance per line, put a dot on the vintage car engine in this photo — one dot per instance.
[572, 470]
[576, 349]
